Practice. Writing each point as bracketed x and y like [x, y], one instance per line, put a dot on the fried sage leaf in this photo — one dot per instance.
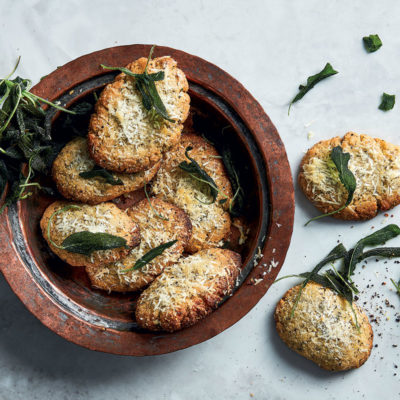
[150, 255]
[145, 85]
[375, 239]
[341, 161]
[312, 81]
[87, 242]
[84, 242]
[387, 102]
[372, 43]
[196, 172]
[98, 172]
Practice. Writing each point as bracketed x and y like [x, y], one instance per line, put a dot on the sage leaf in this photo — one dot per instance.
[196, 172]
[375, 239]
[372, 43]
[87, 242]
[387, 102]
[150, 255]
[341, 161]
[98, 172]
[145, 85]
[312, 81]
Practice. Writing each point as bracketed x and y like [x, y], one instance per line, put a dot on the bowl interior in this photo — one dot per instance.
[210, 118]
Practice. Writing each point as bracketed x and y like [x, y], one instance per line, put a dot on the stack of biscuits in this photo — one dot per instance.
[188, 279]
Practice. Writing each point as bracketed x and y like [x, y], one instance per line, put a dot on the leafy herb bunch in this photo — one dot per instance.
[23, 138]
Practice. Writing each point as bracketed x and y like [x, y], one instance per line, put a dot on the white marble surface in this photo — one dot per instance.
[271, 47]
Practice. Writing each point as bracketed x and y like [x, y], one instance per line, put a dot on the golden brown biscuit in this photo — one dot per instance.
[104, 217]
[74, 159]
[188, 290]
[323, 328]
[211, 223]
[122, 135]
[154, 231]
[375, 165]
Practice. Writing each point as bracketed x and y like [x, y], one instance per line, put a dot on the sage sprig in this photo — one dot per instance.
[144, 83]
[149, 256]
[341, 161]
[23, 137]
[98, 172]
[312, 81]
[340, 281]
[84, 242]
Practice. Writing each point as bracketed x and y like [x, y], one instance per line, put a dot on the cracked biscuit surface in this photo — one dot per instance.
[375, 164]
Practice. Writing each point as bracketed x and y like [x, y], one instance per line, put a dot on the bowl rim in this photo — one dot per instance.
[281, 208]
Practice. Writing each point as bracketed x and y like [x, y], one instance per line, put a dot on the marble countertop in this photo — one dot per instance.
[271, 47]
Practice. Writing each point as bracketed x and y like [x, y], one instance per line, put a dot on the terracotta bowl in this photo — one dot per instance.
[61, 297]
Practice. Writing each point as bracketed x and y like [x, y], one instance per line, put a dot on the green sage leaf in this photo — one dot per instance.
[312, 81]
[150, 255]
[375, 239]
[341, 161]
[372, 43]
[196, 172]
[98, 172]
[87, 242]
[388, 101]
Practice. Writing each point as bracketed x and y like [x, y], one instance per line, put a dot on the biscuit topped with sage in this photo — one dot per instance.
[84, 235]
[140, 115]
[78, 177]
[353, 177]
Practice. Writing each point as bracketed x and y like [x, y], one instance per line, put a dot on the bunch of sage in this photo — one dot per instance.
[23, 137]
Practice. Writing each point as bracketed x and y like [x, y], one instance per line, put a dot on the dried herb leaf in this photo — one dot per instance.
[87, 242]
[388, 101]
[150, 255]
[196, 172]
[341, 161]
[372, 43]
[312, 81]
[98, 172]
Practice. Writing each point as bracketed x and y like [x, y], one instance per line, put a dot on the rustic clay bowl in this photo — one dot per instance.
[61, 297]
